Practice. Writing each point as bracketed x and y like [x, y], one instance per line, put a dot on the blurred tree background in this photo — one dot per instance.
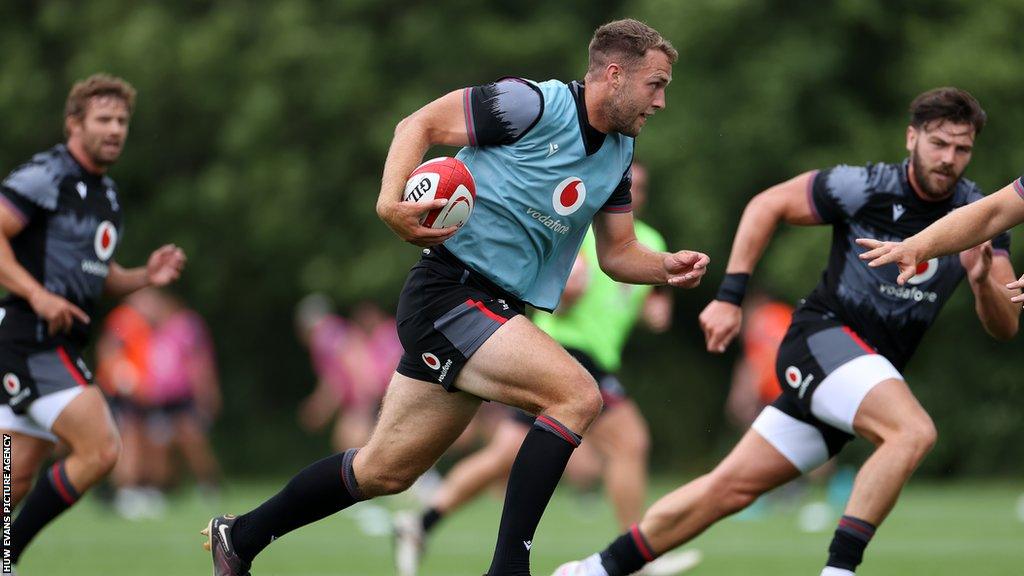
[261, 129]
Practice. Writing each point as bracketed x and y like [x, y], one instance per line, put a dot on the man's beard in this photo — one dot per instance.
[921, 178]
[97, 156]
[621, 119]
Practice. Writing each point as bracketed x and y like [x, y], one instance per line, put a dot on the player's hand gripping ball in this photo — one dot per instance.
[439, 178]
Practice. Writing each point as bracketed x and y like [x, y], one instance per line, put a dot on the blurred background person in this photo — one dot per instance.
[184, 391]
[122, 372]
[350, 358]
[157, 360]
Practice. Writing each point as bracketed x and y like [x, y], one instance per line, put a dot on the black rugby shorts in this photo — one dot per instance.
[445, 313]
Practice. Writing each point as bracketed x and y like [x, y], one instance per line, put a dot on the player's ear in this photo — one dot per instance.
[614, 74]
[911, 138]
[72, 124]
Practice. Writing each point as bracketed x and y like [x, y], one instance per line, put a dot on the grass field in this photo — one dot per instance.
[937, 530]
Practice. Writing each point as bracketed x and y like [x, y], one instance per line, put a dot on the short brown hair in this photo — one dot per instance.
[629, 40]
[947, 104]
[97, 85]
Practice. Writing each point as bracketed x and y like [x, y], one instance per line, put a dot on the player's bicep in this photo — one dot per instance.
[442, 121]
[12, 219]
[838, 193]
[793, 199]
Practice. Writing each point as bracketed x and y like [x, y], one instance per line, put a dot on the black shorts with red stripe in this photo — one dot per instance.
[29, 372]
[445, 313]
[814, 348]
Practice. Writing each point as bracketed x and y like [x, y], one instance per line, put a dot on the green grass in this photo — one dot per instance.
[937, 530]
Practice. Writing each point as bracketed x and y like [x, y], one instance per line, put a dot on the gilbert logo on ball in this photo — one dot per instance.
[105, 241]
[925, 272]
[569, 196]
[443, 177]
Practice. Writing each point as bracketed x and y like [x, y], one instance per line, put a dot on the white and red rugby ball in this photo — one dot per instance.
[443, 177]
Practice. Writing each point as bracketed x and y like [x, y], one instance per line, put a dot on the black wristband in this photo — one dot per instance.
[733, 288]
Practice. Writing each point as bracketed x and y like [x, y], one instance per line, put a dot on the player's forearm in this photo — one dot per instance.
[634, 263]
[969, 226]
[757, 225]
[998, 315]
[13, 276]
[410, 143]
[122, 282]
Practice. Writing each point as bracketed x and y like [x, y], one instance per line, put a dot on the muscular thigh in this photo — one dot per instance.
[888, 408]
[418, 421]
[27, 453]
[521, 366]
[86, 421]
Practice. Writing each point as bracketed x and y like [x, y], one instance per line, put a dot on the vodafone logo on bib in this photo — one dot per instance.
[106, 240]
[925, 272]
[569, 196]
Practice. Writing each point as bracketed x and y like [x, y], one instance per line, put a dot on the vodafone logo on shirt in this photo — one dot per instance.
[569, 196]
[105, 241]
[925, 272]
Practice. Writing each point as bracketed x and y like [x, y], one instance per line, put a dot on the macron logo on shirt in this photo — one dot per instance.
[897, 211]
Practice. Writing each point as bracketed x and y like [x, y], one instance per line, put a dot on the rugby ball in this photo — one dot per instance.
[443, 177]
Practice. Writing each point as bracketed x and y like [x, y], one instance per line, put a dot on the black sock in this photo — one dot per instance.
[847, 548]
[535, 474]
[319, 490]
[430, 519]
[627, 553]
[52, 494]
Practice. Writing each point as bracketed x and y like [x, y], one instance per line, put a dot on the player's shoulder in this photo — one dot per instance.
[515, 88]
[966, 191]
[872, 177]
[39, 178]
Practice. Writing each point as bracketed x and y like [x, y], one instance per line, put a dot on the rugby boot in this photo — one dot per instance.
[225, 561]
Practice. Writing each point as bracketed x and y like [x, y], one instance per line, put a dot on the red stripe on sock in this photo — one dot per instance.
[480, 306]
[844, 523]
[641, 544]
[66, 360]
[58, 483]
[562, 431]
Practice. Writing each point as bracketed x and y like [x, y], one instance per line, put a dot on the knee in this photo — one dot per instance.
[576, 404]
[102, 457]
[583, 398]
[589, 402]
[918, 437]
